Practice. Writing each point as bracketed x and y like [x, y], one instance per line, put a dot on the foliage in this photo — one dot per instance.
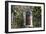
[36, 16]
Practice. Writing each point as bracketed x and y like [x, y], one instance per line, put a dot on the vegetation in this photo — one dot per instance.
[36, 16]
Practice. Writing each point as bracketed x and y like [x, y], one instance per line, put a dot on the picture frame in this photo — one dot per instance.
[29, 23]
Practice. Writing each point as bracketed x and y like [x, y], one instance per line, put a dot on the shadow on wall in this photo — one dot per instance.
[10, 33]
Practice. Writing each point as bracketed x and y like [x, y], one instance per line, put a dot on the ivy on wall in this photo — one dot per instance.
[18, 21]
